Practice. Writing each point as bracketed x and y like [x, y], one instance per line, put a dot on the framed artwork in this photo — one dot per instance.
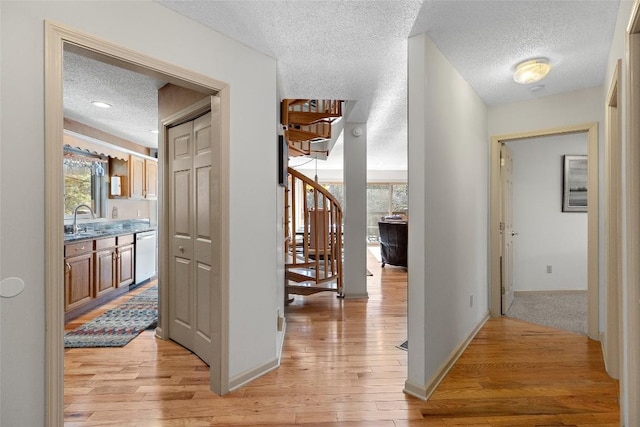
[283, 161]
[574, 189]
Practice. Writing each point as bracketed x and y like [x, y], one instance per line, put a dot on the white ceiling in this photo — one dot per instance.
[357, 50]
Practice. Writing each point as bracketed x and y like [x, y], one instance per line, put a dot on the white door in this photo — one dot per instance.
[506, 175]
[190, 247]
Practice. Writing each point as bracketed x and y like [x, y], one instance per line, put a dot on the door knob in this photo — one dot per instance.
[513, 233]
[181, 249]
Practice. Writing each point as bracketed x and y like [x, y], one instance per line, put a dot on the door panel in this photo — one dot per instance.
[506, 172]
[190, 195]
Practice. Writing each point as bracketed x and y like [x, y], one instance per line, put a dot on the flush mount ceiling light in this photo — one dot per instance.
[101, 104]
[531, 71]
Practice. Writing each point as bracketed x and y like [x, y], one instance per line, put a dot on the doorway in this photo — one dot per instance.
[56, 37]
[591, 130]
[549, 262]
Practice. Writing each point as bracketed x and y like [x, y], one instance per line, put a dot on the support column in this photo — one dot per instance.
[355, 210]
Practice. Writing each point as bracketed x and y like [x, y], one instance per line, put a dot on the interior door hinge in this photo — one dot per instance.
[502, 162]
[502, 226]
[504, 291]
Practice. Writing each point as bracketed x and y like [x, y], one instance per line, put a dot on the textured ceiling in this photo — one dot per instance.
[133, 96]
[357, 50]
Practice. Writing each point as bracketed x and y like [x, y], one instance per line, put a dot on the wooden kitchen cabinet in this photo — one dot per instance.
[136, 177]
[151, 179]
[106, 267]
[78, 275]
[143, 178]
[126, 261]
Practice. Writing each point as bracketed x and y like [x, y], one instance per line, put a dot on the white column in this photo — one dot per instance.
[355, 210]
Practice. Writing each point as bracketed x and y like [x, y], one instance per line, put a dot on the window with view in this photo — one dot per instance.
[383, 199]
[84, 183]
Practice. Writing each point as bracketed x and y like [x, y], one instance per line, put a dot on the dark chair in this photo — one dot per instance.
[393, 242]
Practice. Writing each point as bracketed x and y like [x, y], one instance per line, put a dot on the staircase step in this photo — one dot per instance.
[308, 118]
[309, 288]
[300, 274]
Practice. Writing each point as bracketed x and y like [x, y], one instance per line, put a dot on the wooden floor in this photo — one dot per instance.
[341, 367]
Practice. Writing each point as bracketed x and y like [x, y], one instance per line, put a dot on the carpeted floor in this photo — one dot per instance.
[566, 311]
[118, 326]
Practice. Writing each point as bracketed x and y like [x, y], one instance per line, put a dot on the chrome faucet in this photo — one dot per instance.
[75, 217]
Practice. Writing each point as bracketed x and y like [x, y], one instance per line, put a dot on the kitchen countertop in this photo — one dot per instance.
[101, 230]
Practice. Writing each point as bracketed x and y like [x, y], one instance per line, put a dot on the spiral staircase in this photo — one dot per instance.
[313, 233]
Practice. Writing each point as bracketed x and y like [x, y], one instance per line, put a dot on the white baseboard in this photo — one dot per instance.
[248, 376]
[364, 295]
[424, 392]
[558, 292]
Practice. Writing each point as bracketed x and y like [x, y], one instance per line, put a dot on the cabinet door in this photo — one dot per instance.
[125, 265]
[151, 179]
[136, 177]
[78, 281]
[105, 277]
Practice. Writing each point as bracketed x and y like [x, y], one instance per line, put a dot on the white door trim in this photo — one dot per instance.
[56, 36]
[613, 226]
[592, 251]
[631, 381]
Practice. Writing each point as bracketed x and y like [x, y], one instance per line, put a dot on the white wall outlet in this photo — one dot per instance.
[138, 213]
[549, 269]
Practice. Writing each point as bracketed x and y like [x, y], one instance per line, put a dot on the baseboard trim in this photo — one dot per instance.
[425, 392]
[364, 295]
[558, 292]
[248, 376]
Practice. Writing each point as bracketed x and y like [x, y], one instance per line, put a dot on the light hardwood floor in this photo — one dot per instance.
[340, 366]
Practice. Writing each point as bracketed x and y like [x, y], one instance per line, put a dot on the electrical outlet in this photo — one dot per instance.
[549, 269]
[138, 213]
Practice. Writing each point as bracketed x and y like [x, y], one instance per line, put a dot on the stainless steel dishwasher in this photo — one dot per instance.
[145, 255]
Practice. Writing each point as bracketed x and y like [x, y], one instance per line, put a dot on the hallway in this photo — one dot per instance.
[341, 367]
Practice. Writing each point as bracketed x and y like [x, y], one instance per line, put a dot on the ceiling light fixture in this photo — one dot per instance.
[531, 71]
[101, 104]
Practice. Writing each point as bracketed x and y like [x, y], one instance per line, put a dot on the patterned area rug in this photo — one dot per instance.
[118, 326]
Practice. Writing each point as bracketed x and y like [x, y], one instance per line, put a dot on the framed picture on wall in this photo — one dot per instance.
[574, 189]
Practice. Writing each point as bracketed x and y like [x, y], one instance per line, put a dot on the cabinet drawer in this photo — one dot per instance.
[73, 249]
[106, 243]
[124, 240]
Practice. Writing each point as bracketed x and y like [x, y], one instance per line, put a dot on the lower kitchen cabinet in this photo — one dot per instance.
[96, 271]
[78, 276]
[126, 261]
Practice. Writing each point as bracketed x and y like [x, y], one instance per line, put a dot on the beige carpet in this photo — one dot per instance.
[560, 310]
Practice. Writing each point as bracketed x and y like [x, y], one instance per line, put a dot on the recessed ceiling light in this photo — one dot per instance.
[101, 104]
[531, 71]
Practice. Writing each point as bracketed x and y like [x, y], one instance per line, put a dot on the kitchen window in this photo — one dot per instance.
[84, 183]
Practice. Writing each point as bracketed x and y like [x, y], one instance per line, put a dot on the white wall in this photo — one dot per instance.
[566, 109]
[448, 204]
[158, 32]
[546, 235]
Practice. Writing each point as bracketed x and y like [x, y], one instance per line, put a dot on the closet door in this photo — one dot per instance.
[190, 252]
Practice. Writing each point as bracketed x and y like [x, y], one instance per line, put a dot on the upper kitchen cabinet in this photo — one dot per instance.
[151, 179]
[143, 178]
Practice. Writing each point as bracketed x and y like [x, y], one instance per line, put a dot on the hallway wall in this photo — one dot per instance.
[156, 31]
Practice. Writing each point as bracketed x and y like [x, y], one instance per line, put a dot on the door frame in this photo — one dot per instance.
[613, 225]
[56, 37]
[631, 380]
[591, 129]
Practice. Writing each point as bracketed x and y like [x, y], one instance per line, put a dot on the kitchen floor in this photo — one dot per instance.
[90, 315]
